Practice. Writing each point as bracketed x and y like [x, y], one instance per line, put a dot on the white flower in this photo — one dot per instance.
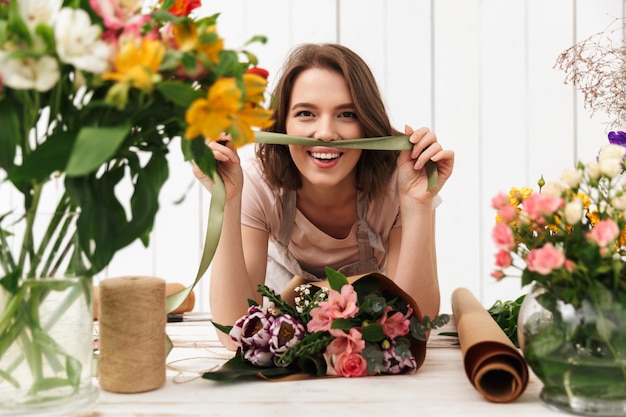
[619, 202]
[593, 169]
[573, 211]
[610, 160]
[39, 12]
[78, 41]
[29, 73]
[572, 177]
[553, 188]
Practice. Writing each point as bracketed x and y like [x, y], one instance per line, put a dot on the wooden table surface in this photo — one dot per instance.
[439, 388]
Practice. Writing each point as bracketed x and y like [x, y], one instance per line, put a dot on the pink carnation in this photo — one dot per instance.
[545, 259]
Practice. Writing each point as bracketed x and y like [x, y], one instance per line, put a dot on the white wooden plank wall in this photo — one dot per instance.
[478, 72]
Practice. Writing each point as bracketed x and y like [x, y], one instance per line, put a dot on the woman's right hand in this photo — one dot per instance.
[228, 167]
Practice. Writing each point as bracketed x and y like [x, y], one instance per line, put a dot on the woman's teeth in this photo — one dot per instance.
[325, 156]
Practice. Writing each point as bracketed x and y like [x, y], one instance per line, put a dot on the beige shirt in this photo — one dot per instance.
[314, 249]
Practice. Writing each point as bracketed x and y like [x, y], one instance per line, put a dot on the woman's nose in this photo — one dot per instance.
[325, 130]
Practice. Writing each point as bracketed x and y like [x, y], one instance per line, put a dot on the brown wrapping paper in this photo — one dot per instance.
[418, 347]
[493, 364]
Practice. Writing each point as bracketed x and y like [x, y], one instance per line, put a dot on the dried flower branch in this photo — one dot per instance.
[597, 67]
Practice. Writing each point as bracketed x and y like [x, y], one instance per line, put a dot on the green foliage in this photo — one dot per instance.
[506, 314]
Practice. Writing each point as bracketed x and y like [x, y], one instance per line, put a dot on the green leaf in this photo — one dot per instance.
[221, 327]
[336, 279]
[10, 281]
[238, 368]
[94, 146]
[373, 332]
[179, 93]
[9, 134]
[52, 155]
[203, 157]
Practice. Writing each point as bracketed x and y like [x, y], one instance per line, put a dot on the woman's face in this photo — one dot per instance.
[321, 108]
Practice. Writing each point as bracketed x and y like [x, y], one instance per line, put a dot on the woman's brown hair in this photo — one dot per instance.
[374, 168]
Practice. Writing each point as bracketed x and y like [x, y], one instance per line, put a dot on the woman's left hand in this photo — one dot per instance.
[412, 176]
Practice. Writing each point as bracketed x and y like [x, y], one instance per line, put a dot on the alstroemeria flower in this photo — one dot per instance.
[211, 116]
[184, 7]
[395, 325]
[138, 66]
[340, 305]
[28, 73]
[116, 14]
[345, 342]
[78, 41]
[39, 12]
[285, 331]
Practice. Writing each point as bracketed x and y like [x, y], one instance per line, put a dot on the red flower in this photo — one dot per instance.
[259, 71]
[184, 7]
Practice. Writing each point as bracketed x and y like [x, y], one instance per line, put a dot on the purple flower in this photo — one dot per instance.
[285, 332]
[398, 359]
[617, 138]
[258, 356]
[255, 328]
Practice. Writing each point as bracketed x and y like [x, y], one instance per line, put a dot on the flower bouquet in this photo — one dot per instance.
[568, 239]
[92, 95]
[345, 326]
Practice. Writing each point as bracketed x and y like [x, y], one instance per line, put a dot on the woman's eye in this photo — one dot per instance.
[349, 114]
[304, 113]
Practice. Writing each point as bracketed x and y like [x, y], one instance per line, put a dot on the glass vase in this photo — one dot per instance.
[579, 354]
[46, 320]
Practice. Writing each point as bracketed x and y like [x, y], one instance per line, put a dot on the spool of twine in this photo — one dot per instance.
[132, 321]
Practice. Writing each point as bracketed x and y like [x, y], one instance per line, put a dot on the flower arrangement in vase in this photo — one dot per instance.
[92, 95]
[568, 239]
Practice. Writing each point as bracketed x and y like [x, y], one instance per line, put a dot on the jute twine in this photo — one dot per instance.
[132, 334]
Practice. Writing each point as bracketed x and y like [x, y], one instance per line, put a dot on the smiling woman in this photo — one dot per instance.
[295, 210]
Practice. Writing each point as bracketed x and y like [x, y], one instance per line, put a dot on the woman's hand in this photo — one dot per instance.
[412, 176]
[229, 167]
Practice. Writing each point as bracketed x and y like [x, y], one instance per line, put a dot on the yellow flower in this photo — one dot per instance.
[187, 39]
[517, 195]
[255, 87]
[138, 66]
[211, 116]
[226, 109]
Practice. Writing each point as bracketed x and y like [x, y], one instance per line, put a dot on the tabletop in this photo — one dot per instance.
[439, 388]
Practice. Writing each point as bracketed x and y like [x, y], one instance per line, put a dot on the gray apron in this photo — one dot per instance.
[282, 265]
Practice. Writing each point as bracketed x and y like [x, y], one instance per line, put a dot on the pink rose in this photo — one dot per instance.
[498, 275]
[503, 259]
[545, 259]
[539, 206]
[503, 236]
[500, 201]
[346, 364]
[604, 232]
[508, 213]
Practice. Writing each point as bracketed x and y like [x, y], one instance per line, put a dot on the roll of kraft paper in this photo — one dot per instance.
[493, 364]
[132, 334]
